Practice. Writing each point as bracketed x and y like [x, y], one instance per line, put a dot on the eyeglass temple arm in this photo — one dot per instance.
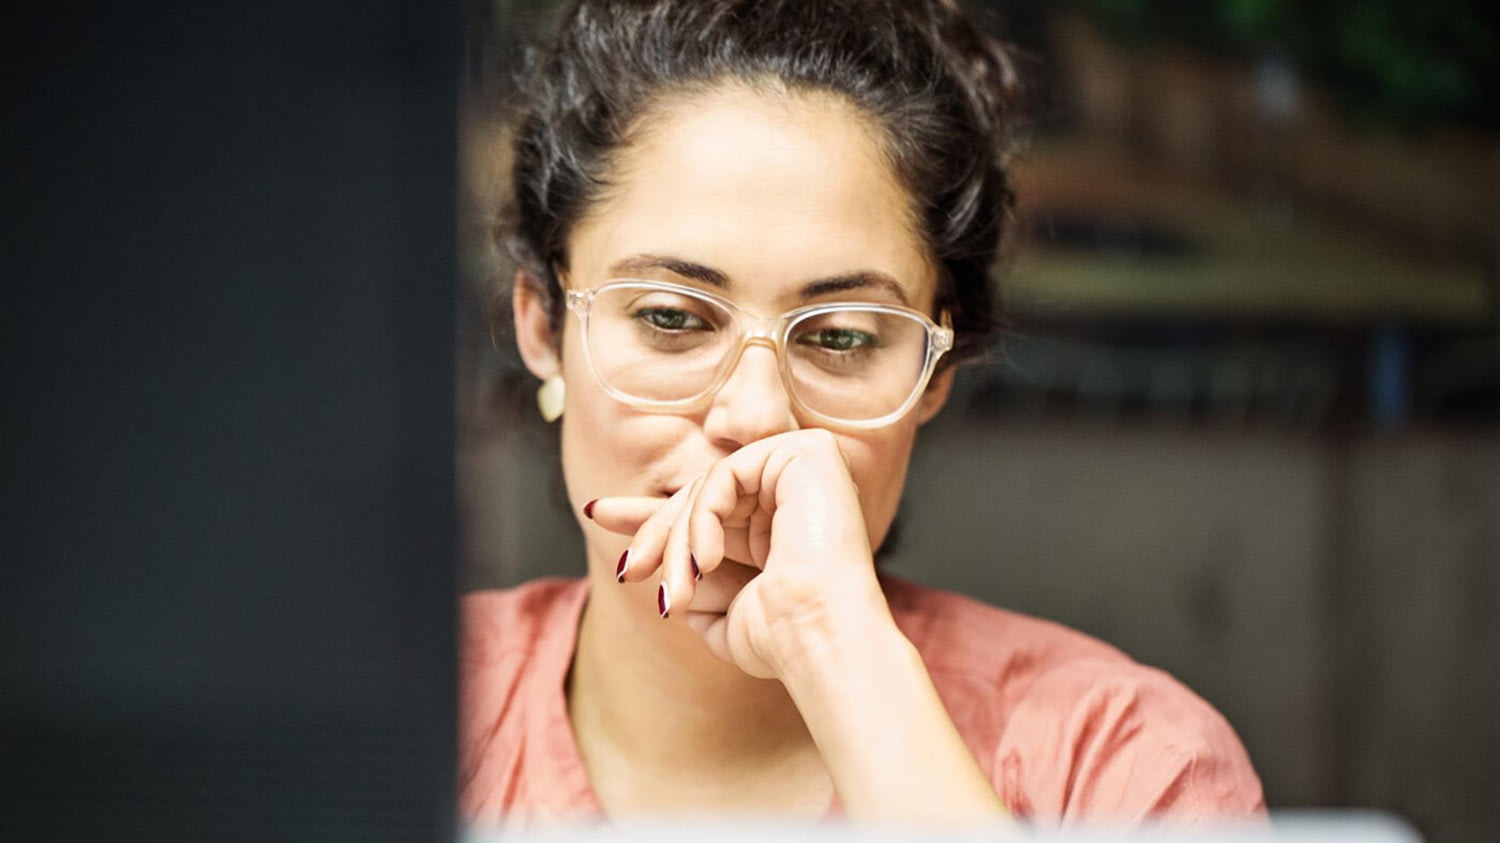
[942, 338]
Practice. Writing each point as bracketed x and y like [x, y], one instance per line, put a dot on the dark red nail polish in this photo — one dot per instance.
[620, 569]
[693, 560]
[588, 509]
[661, 600]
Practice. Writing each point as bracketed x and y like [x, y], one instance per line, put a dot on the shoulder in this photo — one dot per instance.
[985, 661]
[515, 646]
[1068, 726]
[963, 631]
[497, 622]
[1129, 742]
[504, 634]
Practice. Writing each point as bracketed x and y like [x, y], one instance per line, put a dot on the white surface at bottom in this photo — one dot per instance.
[1287, 827]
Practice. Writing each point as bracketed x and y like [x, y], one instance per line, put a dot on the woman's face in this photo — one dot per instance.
[768, 193]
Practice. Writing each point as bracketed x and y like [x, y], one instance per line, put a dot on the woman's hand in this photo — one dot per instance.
[815, 618]
[786, 505]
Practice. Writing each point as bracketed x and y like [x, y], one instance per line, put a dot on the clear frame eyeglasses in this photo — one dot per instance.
[669, 347]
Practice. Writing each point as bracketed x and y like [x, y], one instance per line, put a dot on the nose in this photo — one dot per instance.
[752, 404]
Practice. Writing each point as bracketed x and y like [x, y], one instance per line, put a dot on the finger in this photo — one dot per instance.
[643, 557]
[736, 548]
[625, 515]
[714, 629]
[732, 492]
[679, 576]
[622, 515]
[731, 534]
[758, 535]
[797, 481]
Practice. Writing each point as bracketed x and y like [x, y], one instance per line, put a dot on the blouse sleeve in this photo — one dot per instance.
[1096, 741]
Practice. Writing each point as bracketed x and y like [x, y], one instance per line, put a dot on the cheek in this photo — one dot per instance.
[609, 449]
[594, 452]
[878, 465]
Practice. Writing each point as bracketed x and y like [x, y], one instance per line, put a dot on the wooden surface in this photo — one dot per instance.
[1252, 260]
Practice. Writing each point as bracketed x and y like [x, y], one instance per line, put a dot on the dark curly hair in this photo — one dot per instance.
[943, 93]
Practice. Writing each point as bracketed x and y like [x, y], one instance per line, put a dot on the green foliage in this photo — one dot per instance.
[1399, 62]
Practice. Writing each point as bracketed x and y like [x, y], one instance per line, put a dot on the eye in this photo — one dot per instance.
[837, 339]
[670, 319]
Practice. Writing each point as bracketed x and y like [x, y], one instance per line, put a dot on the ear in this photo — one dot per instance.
[936, 395]
[534, 336]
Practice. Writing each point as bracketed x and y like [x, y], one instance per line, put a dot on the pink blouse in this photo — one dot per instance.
[1065, 727]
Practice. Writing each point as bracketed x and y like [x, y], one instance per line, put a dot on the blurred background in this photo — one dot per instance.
[1244, 424]
[226, 430]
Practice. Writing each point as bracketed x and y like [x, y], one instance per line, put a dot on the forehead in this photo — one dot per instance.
[772, 190]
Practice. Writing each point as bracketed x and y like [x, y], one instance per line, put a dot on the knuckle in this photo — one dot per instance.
[821, 438]
[822, 443]
[794, 592]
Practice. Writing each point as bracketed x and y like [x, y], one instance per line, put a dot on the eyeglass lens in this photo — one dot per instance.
[659, 345]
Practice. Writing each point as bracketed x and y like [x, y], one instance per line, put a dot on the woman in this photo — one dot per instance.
[754, 238]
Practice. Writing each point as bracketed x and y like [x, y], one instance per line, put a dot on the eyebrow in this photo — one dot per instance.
[856, 280]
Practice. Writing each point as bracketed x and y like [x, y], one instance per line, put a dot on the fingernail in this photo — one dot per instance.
[693, 560]
[588, 509]
[620, 569]
[663, 600]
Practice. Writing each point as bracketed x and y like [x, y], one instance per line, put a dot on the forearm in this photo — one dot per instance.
[889, 744]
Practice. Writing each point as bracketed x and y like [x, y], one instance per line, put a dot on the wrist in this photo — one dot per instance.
[882, 729]
[846, 645]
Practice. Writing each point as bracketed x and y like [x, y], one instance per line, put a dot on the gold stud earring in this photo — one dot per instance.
[550, 398]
